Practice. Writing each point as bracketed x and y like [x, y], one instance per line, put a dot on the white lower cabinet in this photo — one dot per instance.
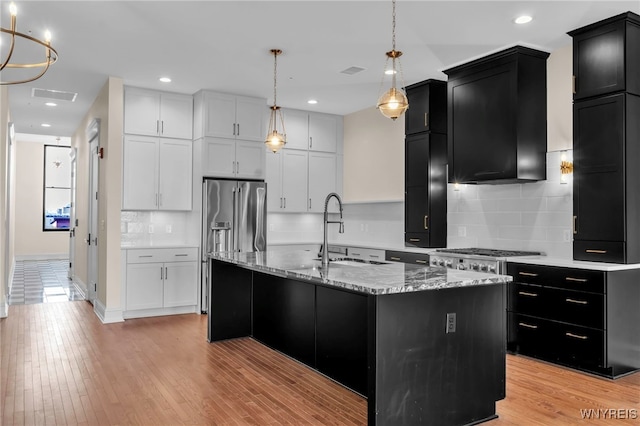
[160, 281]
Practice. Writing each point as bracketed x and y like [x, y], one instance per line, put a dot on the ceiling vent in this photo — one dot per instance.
[57, 95]
[352, 70]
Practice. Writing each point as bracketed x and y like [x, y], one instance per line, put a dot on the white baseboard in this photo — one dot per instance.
[4, 307]
[80, 286]
[42, 256]
[107, 316]
[143, 313]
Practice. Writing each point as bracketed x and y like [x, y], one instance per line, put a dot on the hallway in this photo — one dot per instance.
[42, 281]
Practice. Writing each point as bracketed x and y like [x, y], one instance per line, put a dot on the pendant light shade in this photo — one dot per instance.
[276, 139]
[393, 103]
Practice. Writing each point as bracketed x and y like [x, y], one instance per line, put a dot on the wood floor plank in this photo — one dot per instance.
[60, 365]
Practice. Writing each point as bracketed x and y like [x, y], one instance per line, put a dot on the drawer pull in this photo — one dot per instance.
[576, 336]
[414, 240]
[525, 293]
[578, 280]
[524, 324]
[178, 255]
[375, 256]
[424, 262]
[528, 274]
[394, 258]
[579, 302]
[596, 251]
[146, 255]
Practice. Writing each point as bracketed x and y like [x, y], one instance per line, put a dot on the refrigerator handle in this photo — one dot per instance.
[236, 205]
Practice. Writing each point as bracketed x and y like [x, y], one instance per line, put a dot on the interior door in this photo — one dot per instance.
[72, 216]
[92, 222]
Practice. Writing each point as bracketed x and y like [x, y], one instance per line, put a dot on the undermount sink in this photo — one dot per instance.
[350, 261]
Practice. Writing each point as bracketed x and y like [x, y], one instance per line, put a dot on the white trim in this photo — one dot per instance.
[143, 313]
[4, 307]
[107, 316]
[44, 256]
[80, 286]
[12, 271]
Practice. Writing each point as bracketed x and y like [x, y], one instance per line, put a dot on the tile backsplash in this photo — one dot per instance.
[147, 228]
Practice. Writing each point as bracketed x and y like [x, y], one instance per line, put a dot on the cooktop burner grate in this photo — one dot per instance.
[489, 252]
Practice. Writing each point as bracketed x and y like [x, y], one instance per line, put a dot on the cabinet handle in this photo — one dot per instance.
[524, 324]
[161, 273]
[426, 120]
[166, 272]
[526, 293]
[528, 274]
[375, 256]
[576, 336]
[394, 258]
[595, 251]
[238, 129]
[579, 302]
[426, 222]
[234, 129]
[162, 127]
[156, 199]
[573, 84]
[157, 127]
[578, 280]
[237, 167]
[280, 202]
[414, 240]
[181, 254]
[310, 141]
[145, 255]
[575, 229]
[285, 202]
[309, 203]
[424, 262]
[160, 205]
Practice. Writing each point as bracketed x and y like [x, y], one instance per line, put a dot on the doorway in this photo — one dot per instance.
[93, 136]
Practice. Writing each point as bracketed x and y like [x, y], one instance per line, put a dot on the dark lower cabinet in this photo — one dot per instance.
[229, 310]
[283, 316]
[341, 337]
[407, 257]
[585, 319]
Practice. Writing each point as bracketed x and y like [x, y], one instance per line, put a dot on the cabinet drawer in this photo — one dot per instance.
[527, 299]
[580, 346]
[365, 253]
[552, 276]
[530, 336]
[576, 307]
[416, 239]
[401, 256]
[600, 251]
[187, 254]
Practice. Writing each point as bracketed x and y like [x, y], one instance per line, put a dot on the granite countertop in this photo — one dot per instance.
[388, 278]
[568, 263]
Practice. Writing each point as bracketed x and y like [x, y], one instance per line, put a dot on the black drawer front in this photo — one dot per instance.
[527, 299]
[400, 256]
[554, 341]
[416, 239]
[600, 251]
[576, 307]
[552, 276]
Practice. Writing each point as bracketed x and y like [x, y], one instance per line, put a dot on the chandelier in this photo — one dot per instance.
[275, 139]
[393, 102]
[50, 54]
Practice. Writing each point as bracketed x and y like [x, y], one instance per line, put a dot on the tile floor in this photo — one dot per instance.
[42, 281]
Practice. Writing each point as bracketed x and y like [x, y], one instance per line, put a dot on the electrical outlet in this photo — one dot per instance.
[272, 227]
[451, 323]
[167, 229]
[462, 231]
[566, 235]
[151, 229]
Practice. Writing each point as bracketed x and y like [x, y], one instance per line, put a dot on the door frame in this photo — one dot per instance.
[73, 155]
[93, 138]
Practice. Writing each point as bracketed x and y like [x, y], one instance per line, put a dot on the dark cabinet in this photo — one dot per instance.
[605, 57]
[427, 107]
[425, 221]
[606, 140]
[341, 337]
[497, 118]
[584, 319]
[406, 257]
[283, 316]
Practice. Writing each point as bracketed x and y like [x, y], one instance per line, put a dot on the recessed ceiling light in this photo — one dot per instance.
[390, 72]
[524, 19]
[51, 104]
[165, 79]
[45, 125]
[312, 101]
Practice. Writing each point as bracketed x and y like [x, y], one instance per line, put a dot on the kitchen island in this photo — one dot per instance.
[424, 345]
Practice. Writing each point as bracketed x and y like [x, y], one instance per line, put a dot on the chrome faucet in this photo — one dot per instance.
[325, 249]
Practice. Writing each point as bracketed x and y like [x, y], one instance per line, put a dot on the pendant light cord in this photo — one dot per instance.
[275, 73]
[393, 26]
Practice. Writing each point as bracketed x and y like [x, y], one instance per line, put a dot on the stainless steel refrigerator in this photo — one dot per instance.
[234, 216]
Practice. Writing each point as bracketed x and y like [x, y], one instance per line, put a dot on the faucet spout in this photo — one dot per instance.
[325, 250]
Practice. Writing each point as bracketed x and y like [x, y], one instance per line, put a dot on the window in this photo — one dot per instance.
[57, 188]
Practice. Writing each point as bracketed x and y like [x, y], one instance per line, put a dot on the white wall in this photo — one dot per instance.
[6, 249]
[31, 242]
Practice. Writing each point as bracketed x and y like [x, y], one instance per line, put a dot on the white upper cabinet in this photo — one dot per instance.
[287, 181]
[233, 158]
[153, 113]
[156, 173]
[229, 116]
[311, 130]
[322, 179]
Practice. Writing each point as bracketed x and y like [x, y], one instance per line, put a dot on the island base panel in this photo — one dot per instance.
[229, 312]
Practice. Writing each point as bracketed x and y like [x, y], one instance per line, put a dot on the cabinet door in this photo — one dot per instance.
[219, 157]
[250, 160]
[297, 127]
[322, 179]
[176, 116]
[250, 114]
[273, 178]
[140, 173]
[175, 174]
[220, 115]
[598, 191]
[144, 286]
[180, 284]
[294, 180]
[323, 132]
[141, 112]
[428, 108]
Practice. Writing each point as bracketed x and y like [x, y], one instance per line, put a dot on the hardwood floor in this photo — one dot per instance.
[60, 365]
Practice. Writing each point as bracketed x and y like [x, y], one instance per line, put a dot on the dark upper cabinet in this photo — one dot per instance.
[426, 190]
[497, 116]
[427, 107]
[606, 181]
[606, 58]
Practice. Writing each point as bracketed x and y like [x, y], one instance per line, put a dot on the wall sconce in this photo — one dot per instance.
[566, 167]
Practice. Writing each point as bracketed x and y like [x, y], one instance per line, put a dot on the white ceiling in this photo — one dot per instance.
[224, 46]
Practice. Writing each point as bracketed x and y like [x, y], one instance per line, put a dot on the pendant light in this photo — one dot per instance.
[393, 102]
[275, 139]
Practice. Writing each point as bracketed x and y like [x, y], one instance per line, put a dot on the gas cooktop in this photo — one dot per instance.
[489, 252]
